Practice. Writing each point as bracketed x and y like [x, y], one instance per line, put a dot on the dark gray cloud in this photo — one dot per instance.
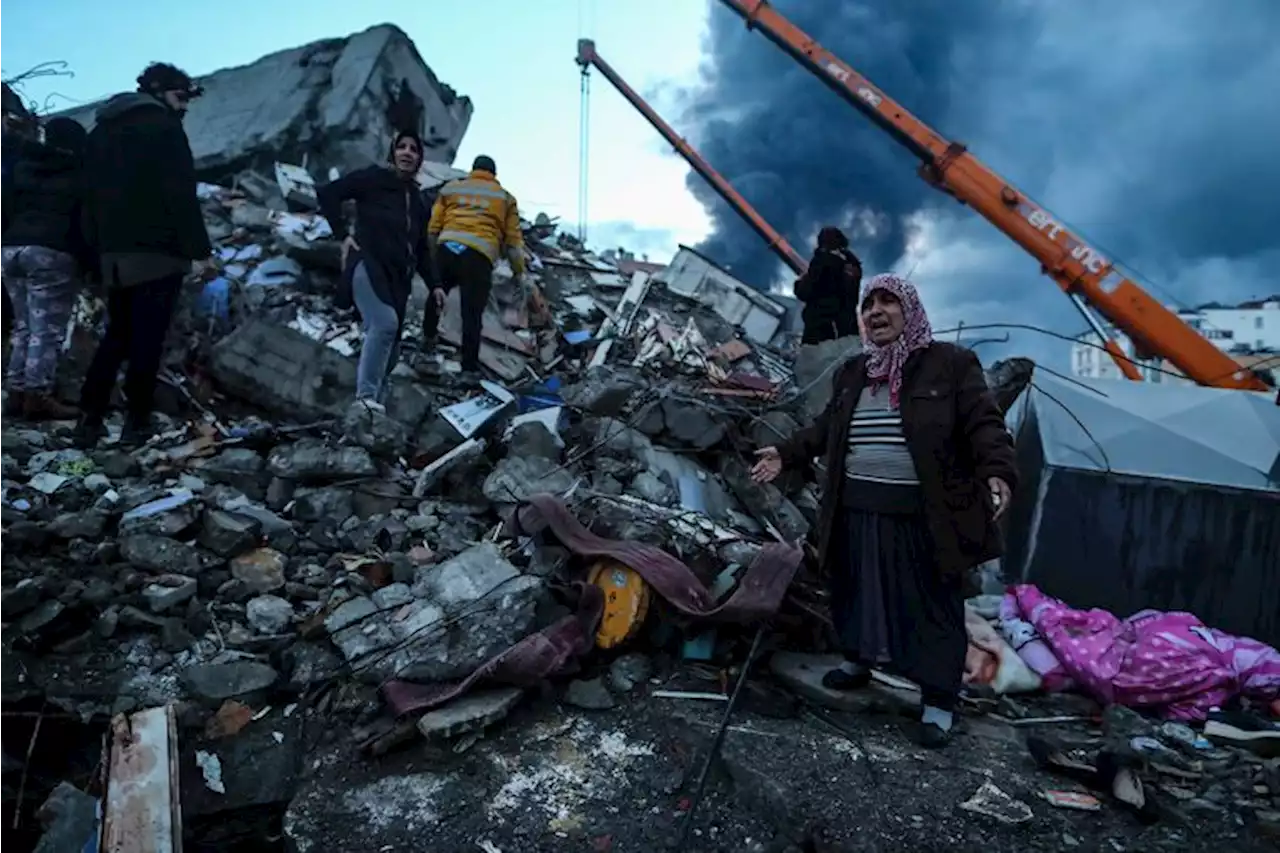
[1147, 126]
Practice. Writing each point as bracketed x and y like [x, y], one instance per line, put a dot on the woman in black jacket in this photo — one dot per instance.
[44, 253]
[829, 289]
[389, 245]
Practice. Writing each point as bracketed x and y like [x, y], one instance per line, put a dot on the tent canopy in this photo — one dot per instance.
[1184, 433]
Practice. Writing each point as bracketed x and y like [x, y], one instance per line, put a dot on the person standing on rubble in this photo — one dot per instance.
[474, 222]
[143, 218]
[45, 253]
[919, 467]
[388, 245]
[829, 289]
[18, 140]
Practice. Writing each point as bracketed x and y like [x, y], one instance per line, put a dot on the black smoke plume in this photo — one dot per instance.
[1147, 126]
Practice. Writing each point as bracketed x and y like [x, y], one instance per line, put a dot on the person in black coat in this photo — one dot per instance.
[829, 289]
[143, 218]
[44, 255]
[388, 246]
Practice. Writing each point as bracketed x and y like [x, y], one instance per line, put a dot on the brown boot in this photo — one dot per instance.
[43, 406]
[14, 403]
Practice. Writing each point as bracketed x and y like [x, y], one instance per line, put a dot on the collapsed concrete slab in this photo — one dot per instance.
[289, 373]
[328, 104]
[456, 616]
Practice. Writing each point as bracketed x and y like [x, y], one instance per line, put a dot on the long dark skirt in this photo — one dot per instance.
[891, 607]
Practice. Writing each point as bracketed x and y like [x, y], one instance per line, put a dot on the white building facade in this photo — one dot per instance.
[695, 276]
[1250, 332]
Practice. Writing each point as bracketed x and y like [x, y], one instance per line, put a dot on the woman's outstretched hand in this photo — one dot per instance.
[768, 465]
[1000, 494]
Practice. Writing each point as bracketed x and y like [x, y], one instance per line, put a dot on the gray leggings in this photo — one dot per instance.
[381, 348]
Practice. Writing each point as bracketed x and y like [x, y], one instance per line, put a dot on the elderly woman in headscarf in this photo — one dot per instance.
[918, 468]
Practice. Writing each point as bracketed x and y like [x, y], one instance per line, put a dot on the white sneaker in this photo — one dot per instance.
[372, 405]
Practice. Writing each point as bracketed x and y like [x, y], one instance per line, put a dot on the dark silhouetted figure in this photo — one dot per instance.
[829, 289]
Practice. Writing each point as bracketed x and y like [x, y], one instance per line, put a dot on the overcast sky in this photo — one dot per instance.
[515, 59]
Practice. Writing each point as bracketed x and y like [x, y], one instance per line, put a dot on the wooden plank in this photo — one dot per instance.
[143, 811]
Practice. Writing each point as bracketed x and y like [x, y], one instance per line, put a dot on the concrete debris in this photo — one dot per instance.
[70, 817]
[470, 713]
[356, 573]
[337, 100]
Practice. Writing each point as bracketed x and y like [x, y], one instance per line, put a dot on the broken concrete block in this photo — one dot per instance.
[228, 534]
[221, 681]
[261, 570]
[375, 431]
[350, 625]
[815, 368]
[590, 694]
[318, 504]
[387, 636]
[680, 422]
[312, 459]
[651, 488]
[161, 554]
[379, 497]
[533, 439]
[479, 570]
[772, 428]
[269, 614]
[86, 524]
[604, 391]
[487, 627]
[286, 372]
[629, 671]
[70, 819]
[23, 597]
[764, 501]
[515, 478]
[310, 663]
[238, 467]
[168, 591]
[472, 712]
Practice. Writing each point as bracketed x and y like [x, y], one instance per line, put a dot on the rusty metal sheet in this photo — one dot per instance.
[143, 812]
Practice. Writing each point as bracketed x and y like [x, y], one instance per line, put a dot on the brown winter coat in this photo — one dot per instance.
[957, 439]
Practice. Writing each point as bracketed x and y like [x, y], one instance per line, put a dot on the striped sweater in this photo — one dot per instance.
[877, 449]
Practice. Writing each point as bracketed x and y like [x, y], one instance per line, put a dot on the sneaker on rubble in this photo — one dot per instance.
[371, 404]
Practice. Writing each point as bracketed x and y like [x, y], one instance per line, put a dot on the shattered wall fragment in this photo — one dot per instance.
[328, 104]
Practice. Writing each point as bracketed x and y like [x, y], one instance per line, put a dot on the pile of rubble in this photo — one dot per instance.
[504, 619]
[283, 575]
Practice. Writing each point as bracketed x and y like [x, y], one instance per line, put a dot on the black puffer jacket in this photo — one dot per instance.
[43, 201]
[391, 229]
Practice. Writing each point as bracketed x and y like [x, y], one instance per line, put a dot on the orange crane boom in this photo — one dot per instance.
[1079, 269]
[589, 58]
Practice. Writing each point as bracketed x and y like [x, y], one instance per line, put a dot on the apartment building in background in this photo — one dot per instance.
[1249, 332]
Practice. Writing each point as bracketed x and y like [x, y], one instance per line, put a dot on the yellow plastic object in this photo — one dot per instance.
[626, 602]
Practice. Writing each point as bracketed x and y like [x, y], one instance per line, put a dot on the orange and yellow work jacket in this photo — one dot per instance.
[477, 212]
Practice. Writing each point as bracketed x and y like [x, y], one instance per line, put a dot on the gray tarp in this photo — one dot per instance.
[1149, 495]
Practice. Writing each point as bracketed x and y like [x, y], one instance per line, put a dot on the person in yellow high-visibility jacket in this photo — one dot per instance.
[474, 222]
